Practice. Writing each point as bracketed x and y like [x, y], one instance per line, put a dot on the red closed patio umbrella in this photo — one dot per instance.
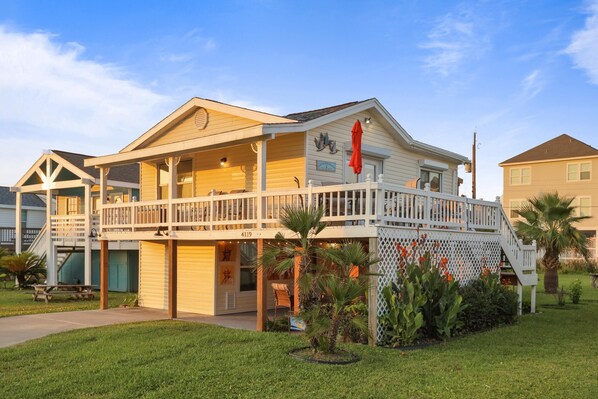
[356, 134]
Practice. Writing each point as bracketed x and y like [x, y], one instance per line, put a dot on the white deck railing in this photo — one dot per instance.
[356, 204]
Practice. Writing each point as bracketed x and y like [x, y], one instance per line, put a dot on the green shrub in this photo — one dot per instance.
[405, 317]
[575, 291]
[579, 266]
[425, 301]
[489, 304]
[561, 296]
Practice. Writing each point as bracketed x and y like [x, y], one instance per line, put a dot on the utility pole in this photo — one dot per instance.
[473, 164]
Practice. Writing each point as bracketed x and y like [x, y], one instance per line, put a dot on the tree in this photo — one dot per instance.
[306, 224]
[549, 220]
[26, 267]
[329, 288]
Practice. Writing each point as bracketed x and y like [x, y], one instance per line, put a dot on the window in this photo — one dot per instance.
[184, 180]
[434, 178]
[579, 171]
[583, 206]
[72, 205]
[516, 205]
[521, 176]
[23, 219]
[247, 274]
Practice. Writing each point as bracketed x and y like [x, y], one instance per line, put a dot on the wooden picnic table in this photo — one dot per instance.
[76, 291]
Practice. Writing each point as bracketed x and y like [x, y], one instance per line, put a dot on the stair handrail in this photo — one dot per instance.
[38, 246]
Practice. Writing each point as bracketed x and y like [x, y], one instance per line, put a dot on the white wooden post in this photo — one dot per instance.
[172, 163]
[309, 193]
[380, 200]
[212, 192]
[18, 223]
[368, 200]
[103, 195]
[261, 181]
[51, 277]
[373, 294]
[87, 236]
[466, 214]
[519, 298]
[428, 205]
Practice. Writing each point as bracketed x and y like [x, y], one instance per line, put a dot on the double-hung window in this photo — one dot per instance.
[520, 176]
[432, 177]
[579, 171]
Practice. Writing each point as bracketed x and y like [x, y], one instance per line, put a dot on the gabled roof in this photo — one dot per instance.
[126, 173]
[269, 126]
[191, 106]
[316, 113]
[561, 147]
[9, 198]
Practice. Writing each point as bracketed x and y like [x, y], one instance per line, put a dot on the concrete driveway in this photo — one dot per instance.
[17, 329]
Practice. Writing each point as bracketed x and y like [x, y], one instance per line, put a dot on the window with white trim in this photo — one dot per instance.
[247, 273]
[579, 171]
[583, 206]
[520, 176]
[516, 205]
[432, 177]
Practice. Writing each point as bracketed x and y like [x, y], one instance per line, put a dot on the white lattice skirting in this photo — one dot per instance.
[468, 253]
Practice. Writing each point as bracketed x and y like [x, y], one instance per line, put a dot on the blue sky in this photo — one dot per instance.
[91, 76]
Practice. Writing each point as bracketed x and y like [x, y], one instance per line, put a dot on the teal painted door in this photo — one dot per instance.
[118, 277]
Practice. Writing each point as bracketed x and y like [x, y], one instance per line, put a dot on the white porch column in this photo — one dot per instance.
[520, 298]
[87, 249]
[51, 277]
[172, 163]
[373, 294]
[18, 222]
[261, 181]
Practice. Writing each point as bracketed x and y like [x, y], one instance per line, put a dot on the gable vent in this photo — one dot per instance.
[201, 118]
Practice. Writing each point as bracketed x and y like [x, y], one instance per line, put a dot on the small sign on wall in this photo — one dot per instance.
[325, 166]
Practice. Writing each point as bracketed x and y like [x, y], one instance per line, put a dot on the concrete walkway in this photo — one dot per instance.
[18, 329]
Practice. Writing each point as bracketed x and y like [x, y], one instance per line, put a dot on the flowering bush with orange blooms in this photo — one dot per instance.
[425, 273]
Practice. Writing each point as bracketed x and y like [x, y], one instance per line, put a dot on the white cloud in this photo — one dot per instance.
[451, 41]
[532, 85]
[584, 45]
[52, 97]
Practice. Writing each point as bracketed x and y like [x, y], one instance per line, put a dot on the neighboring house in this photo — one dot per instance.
[563, 164]
[70, 244]
[216, 177]
[33, 217]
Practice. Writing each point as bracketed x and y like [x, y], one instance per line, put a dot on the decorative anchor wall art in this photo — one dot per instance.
[324, 141]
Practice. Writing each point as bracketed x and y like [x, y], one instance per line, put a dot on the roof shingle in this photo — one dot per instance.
[9, 198]
[561, 147]
[317, 113]
[125, 173]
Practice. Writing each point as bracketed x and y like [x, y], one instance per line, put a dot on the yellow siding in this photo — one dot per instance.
[218, 122]
[400, 167]
[239, 172]
[243, 301]
[196, 277]
[153, 275]
[285, 161]
[148, 181]
[549, 177]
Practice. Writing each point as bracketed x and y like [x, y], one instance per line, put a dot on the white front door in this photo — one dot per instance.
[370, 166]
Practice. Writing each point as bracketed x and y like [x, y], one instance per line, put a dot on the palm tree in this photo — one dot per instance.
[26, 267]
[549, 219]
[306, 224]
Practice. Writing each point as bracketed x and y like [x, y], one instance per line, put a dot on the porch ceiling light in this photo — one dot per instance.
[367, 120]
[223, 161]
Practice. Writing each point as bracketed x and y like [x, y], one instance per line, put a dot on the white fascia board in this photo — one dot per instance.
[192, 105]
[439, 152]
[221, 140]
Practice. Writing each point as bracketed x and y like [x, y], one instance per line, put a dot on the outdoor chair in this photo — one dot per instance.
[282, 297]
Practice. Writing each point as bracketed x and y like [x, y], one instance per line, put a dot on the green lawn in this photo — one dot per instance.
[20, 302]
[553, 354]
